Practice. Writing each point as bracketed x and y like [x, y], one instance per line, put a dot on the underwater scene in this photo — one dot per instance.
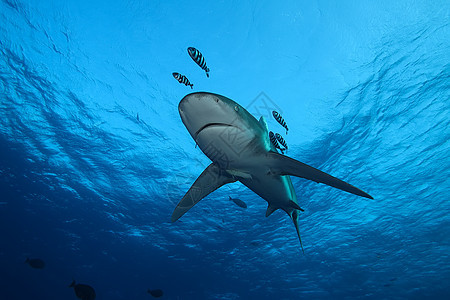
[224, 149]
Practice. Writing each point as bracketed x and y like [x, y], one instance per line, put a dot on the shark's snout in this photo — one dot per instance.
[199, 109]
[194, 101]
[209, 116]
[199, 106]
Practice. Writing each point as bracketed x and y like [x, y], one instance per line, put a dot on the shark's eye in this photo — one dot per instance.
[236, 108]
[217, 100]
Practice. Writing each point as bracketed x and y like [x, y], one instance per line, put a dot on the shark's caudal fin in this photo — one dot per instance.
[283, 165]
[294, 217]
[210, 180]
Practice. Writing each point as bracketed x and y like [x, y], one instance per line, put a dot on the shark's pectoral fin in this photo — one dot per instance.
[210, 180]
[283, 165]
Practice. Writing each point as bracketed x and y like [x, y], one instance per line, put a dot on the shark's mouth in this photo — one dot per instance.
[209, 125]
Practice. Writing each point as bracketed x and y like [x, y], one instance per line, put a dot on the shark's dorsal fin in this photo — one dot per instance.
[283, 165]
[210, 180]
[270, 210]
[263, 123]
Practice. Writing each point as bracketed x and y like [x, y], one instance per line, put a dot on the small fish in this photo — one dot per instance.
[137, 117]
[255, 243]
[274, 141]
[280, 120]
[199, 59]
[35, 263]
[238, 202]
[182, 79]
[83, 291]
[155, 293]
[281, 140]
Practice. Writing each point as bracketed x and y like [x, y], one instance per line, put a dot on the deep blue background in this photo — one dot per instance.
[363, 85]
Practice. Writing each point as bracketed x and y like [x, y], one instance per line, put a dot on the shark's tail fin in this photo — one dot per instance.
[294, 217]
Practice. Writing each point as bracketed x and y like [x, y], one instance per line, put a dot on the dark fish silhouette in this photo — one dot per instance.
[199, 59]
[274, 141]
[238, 202]
[281, 140]
[35, 263]
[137, 117]
[155, 293]
[182, 79]
[255, 243]
[83, 291]
[280, 120]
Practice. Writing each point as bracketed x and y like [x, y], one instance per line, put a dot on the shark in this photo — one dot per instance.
[239, 148]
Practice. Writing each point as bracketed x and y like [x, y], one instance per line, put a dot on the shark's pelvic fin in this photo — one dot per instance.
[283, 165]
[270, 210]
[295, 205]
[294, 217]
[210, 180]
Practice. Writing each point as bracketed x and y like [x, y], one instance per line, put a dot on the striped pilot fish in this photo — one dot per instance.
[274, 142]
[280, 120]
[182, 79]
[199, 59]
[281, 140]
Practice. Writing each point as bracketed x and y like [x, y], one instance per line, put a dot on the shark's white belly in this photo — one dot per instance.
[229, 147]
[237, 152]
[276, 190]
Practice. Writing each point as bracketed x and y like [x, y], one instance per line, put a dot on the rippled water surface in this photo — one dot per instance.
[94, 156]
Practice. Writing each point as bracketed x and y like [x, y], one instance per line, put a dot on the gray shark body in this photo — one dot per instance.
[240, 150]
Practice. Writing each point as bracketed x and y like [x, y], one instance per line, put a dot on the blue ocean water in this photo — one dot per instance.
[89, 187]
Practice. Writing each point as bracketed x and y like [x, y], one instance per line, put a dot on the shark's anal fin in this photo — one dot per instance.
[283, 165]
[210, 180]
